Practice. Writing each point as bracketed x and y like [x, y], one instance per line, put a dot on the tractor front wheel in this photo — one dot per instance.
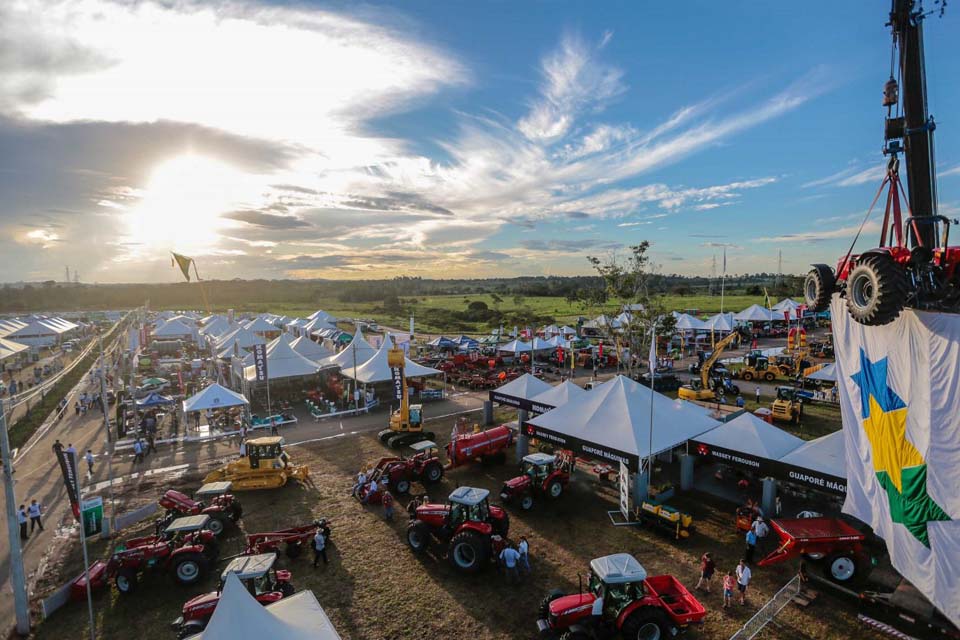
[217, 524]
[769, 376]
[818, 288]
[526, 502]
[433, 473]
[189, 568]
[747, 376]
[402, 485]
[293, 550]
[648, 623]
[467, 552]
[418, 536]
[126, 581]
[876, 291]
[555, 489]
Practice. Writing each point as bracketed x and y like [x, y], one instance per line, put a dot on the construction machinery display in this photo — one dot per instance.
[541, 475]
[711, 382]
[914, 264]
[788, 405]
[406, 422]
[265, 466]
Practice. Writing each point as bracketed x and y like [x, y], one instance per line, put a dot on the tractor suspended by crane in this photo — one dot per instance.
[913, 266]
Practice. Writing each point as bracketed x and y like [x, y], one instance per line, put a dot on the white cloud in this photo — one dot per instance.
[954, 171]
[818, 236]
[850, 177]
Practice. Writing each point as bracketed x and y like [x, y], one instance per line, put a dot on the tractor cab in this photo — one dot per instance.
[538, 466]
[756, 360]
[425, 450]
[256, 573]
[213, 490]
[788, 407]
[618, 580]
[267, 452]
[181, 527]
[788, 394]
[469, 505]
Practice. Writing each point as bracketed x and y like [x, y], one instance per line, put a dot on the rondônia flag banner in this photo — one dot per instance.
[899, 390]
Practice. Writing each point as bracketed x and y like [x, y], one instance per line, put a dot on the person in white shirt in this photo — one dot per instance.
[89, 458]
[319, 548]
[510, 557]
[35, 510]
[361, 481]
[371, 489]
[760, 528]
[743, 579]
[243, 448]
[524, 549]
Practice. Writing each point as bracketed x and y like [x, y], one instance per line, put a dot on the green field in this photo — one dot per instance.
[559, 310]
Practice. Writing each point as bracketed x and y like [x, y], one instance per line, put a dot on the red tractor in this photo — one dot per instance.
[620, 599]
[486, 446]
[424, 465]
[257, 573]
[213, 499]
[186, 549]
[292, 539]
[541, 474]
[472, 531]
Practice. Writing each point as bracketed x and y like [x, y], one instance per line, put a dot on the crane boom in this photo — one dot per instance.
[708, 362]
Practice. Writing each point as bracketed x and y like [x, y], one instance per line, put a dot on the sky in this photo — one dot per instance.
[445, 139]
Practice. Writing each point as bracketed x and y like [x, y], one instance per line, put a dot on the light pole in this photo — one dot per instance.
[17, 576]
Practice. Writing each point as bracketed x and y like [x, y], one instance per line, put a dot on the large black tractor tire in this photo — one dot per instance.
[818, 288]
[468, 552]
[648, 623]
[385, 435]
[402, 485]
[191, 628]
[501, 527]
[747, 376]
[189, 568]
[236, 511]
[526, 502]
[543, 611]
[126, 581]
[287, 589]
[842, 568]
[432, 473]
[293, 550]
[418, 536]
[555, 489]
[218, 523]
[876, 291]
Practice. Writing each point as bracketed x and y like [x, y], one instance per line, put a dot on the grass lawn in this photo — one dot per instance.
[376, 588]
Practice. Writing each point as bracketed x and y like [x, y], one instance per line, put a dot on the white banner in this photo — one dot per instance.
[625, 491]
[900, 397]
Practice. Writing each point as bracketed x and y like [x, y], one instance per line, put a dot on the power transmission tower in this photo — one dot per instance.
[713, 273]
[67, 280]
[779, 268]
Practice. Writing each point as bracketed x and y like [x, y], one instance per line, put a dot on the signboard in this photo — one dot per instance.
[584, 447]
[260, 361]
[625, 491]
[396, 374]
[68, 466]
[92, 516]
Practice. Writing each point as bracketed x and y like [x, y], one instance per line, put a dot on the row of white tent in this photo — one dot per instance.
[728, 321]
[36, 330]
[537, 344]
[613, 421]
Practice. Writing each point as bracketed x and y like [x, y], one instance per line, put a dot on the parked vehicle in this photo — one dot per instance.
[214, 500]
[424, 465]
[662, 382]
[292, 539]
[266, 466]
[541, 475]
[838, 545]
[485, 446]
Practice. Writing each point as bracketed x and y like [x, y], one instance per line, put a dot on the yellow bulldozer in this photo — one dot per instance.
[265, 466]
[702, 389]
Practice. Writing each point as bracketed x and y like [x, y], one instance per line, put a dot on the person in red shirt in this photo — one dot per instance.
[729, 584]
[707, 568]
[387, 505]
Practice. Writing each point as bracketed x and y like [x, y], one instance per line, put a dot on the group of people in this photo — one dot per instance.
[32, 513]
[85, 402]
[515, 560]
[738, 579]
[142, 448]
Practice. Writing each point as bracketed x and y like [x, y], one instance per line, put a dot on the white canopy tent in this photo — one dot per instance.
[216, 327]
[719, 322]
[786, 304]
[748, 434]
[9, 348]
[612, 422]
[755, 313]
[283, 362]
[38, 332]
[357, 351]
[239, 615]
[827, 373]
[310, 349]
[175, 328]
[214, 396]
[515, 347]
[238, 342]
[520, 392]
[377, 369]
[539, 344]
[261, 326]
[689, 323]
[556, 396]
[568, 331]
[323, 316]
[821, 463]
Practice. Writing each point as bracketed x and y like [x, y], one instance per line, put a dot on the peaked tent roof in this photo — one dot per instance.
[259, 325]
[283, 362]
[516, 346]
[216, 327]
[565, 330]
[613, 421]
[687, 322]
[787, 304]
[377, 369]
[214, 396]
[755, 313]
[520, 392]
[154, 399]
[317, 324]
[826, 454]
[238, 615]
[323, 316]
[828, 373]
[310, 349]
[557, 396]
[749, 434]
[440, 342]
[539, 344]
[719, 322]
[358, 350]
[243, 339]
[32, 328]
[173, 328]
[9, 348]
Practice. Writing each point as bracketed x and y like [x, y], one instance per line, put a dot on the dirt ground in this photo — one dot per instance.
[374, 587]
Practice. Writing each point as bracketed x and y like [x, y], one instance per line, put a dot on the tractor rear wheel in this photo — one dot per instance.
[647, 623]
[217, 523]
[544, 609]
[818, 288]
[467, 552]
[191, 628]
[293, 550]
[189, 568]
[748, 376]
[876, 291]
[769, 376]
[555, 489]
[526, 502]
[402, 485]
[432, 473]
[126, 581]
[418, 536]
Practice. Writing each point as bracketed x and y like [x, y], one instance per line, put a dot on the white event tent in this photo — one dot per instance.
[755, 313]
[310, 349]
[377, 369]
[612, 422]
[520, 392]
[261, 326]
[214, 396]
[175, 328]
[237, 342]
[748, 434]
[786, 304]
[556, 396]
[283, 362]
[687, 322]
[9, 348]
[515, 347]
[825, 455]
[719, 322]
[238, 615]
[357, 351]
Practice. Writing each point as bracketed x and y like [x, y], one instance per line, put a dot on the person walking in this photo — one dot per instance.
[743, 580]
[35, 511]
[758, 394]
[387, 506]
[71, 452]
[760, 528]
[707, 567]
[361, 481]
[137, 451]
[729, 584]
[89, 458]
[509, 558]
[319, 548]
[22, 519]
[57, 447]
[740, 402]
[524, 549]
[751, 539]
[76, 408]
[243, 448]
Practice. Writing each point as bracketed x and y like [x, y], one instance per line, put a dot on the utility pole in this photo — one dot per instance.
[17, 577]
[106, 430]
[779, 268]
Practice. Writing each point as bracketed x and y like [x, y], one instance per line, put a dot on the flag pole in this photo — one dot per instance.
[653, 370]
[723, 278]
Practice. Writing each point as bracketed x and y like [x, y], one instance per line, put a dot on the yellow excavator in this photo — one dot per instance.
[701, 389]
[406, 423]
[265, 466]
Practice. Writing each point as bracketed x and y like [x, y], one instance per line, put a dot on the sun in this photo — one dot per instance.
[182, 204]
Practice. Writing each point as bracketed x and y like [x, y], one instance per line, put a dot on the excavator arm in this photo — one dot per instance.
[709, 362]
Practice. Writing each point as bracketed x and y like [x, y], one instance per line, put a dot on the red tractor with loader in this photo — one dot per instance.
[185, 549]
[398, 472]
[541, 475]
[213, 499]
[620, 599]
[471, 531]
[292, 539]
[832, 541]
[489, 446]
[257, 573]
